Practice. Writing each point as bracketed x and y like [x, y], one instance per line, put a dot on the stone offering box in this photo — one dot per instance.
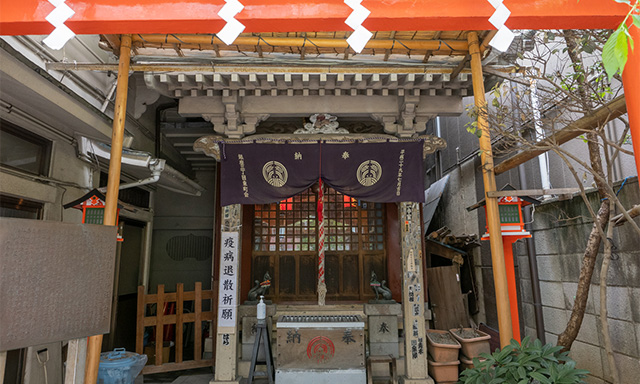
[320, 347]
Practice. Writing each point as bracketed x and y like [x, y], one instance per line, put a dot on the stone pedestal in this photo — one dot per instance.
[247, 315]
[405, 380]
[383, 328]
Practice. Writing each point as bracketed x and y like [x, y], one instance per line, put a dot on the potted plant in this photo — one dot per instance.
[473, 341]
[444, 372]
[467, 362]
[442, 346]
[525, 363]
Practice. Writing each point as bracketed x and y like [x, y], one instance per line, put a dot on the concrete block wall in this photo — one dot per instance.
[560, 231]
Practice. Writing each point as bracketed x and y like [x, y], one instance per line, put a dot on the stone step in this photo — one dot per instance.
[382, 369]
[378, 369]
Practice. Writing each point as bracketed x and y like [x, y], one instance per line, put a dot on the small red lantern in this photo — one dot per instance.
[512, 228]
[511, 221]
[92, 205]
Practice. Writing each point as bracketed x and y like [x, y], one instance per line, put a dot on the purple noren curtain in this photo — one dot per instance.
[376, 172]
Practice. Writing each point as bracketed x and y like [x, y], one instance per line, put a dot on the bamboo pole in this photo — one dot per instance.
[94, 343]
[211, 40]
[489, 179]
[257, 68]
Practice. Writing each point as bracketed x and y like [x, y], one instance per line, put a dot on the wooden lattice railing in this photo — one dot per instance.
[179, 318]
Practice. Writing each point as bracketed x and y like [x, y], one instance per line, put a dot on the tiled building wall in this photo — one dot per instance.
[560, 230]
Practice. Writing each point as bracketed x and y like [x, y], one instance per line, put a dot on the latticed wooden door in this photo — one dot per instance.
[285, 243]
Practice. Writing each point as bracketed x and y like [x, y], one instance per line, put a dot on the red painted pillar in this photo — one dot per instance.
[507, 242]
[631, 82]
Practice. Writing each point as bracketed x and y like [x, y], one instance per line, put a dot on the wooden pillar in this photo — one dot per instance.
[3, 365]
[489, 178]
[227, 336]
[631, 82]
[413, 291]
[94, 343]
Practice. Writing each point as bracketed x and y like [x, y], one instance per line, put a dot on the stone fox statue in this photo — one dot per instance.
[260, 289]
[379, 288]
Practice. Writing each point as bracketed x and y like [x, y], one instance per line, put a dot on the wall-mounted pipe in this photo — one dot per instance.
[533, 263]
[543, 159]
[155, 168]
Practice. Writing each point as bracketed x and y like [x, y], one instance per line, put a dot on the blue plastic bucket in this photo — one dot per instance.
[120, 366]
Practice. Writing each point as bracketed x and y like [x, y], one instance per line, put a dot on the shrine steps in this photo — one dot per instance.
[380, 371]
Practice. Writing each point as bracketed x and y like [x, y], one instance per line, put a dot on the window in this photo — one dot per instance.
[20, 208]
[285, 243]
[23, 150]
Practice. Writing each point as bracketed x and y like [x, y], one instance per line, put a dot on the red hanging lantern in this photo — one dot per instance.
[92, 205]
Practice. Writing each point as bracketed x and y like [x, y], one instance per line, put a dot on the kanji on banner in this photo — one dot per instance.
[228, 280]
[267, 173]
[375, 172]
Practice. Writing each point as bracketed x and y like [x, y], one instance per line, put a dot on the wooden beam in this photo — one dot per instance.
[616, 108]
[171, 367]
[460, 66]
[534, 192]
[487, 39]
[94, 343]
[114, 42]
[429, 53]
[489, 180]
[467, 58]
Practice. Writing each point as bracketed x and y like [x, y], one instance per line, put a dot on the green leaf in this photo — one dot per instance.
[610, 55]
[541, 378]
[636, 20]
[628, 2]
[622, 47]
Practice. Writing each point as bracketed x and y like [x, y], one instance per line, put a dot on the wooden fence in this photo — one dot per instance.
[179, 318]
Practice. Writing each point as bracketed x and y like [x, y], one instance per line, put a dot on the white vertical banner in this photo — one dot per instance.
[228, 280]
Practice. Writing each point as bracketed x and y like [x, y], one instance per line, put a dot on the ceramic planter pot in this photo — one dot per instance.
[473, 342]
[445, 372]
[467, 362]
[442, 346]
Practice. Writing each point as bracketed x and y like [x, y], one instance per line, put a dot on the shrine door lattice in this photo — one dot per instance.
[285, 243]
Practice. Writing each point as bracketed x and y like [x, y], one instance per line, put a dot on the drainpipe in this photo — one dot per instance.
[533, 263]
[155, 168]
[543, 160]
[161, 108]
[146, 250]
[438, 152]
[529, 242]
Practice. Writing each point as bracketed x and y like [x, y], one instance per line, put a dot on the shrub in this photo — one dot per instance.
[524, 363]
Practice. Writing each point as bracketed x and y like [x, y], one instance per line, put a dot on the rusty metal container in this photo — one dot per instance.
[320, 349]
